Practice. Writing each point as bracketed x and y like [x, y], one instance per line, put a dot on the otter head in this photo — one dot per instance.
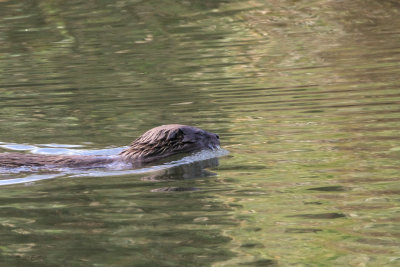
[167, 140]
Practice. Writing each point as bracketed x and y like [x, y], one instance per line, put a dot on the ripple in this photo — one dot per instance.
[113, 169]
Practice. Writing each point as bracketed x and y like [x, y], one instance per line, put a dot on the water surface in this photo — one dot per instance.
[305, 96]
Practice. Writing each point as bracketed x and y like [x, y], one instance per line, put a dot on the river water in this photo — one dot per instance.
[305, 96]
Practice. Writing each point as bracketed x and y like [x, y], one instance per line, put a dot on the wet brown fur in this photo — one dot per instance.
[155, 144]
[14, 160]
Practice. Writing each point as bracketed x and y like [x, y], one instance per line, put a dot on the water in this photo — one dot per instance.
[305, 97]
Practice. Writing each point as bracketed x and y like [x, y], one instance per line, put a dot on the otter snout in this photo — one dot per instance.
[214, 142]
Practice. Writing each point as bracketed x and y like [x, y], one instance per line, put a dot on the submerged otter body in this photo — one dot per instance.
[155, 144]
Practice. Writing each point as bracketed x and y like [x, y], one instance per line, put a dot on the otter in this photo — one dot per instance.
[153, 145]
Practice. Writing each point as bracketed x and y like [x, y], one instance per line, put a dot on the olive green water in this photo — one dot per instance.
[304, 94]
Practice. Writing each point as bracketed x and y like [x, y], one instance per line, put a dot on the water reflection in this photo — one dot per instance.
[118, 219]
[195, 169]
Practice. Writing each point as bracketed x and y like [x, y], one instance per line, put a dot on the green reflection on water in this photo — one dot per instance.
[304, 94]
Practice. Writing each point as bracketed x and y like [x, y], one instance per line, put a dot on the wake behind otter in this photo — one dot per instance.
[198, 160]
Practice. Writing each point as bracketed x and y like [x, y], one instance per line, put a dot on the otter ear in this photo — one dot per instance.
[188, 137]
[171, 135]
[174, 134]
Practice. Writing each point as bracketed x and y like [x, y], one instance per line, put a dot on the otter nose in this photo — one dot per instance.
[217, 136]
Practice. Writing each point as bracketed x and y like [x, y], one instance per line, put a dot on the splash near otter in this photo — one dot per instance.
[153, 145]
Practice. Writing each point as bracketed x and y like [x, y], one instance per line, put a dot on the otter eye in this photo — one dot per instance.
[217, 136]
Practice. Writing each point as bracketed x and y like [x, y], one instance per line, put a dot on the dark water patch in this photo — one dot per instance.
[313, 203]
[320, 216]
[302, 230]
[314, 111]
[337, 188]
[253, 229]
[265, 262]
[252, 245]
